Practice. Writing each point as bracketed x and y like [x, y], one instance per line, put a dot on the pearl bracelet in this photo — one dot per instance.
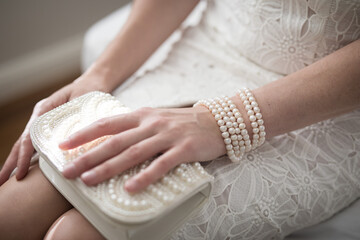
[255, 117]
[231, 125]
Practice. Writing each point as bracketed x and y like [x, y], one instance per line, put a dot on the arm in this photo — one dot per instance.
[323, 90]
[149, 24]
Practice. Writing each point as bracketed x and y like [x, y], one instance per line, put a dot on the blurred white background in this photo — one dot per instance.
[40, 40]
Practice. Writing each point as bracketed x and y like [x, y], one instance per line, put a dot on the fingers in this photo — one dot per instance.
[10, 163]
[135, 154]
[113, 146]
[105, 126]
[25, 152]
[157, 169]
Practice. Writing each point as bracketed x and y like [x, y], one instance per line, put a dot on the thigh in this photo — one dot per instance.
[63, 228]
[29, 207]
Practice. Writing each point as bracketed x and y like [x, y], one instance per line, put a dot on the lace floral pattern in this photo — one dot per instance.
[285, 36]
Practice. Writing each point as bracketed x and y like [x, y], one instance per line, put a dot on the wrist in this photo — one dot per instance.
[103, 77]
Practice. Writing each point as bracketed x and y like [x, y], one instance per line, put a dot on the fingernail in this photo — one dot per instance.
[88, 176]
[69, 170]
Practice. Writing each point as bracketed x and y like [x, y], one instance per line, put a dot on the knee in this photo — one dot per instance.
[72, 225]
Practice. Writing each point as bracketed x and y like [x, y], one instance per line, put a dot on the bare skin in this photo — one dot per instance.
[323, 90]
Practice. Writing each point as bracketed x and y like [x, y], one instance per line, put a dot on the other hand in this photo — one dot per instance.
[22, 150]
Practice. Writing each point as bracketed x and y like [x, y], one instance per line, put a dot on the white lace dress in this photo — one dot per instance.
[296, 179]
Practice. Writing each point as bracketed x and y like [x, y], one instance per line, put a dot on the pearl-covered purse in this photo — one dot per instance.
[151, 214]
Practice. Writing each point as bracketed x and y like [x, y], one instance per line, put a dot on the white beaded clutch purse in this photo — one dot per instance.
[151, 214]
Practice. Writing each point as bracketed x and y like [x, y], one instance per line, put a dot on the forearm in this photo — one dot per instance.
[320, 91]
[149, 24]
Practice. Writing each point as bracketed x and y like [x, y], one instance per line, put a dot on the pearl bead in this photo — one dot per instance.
[232, 119]
[127, 203]
[226, 109]
[262, 134]
[225, 134]
[240, 120]
[256, 136]
[258, 115]
[252, 118]
[244, 132]
[256, 109]
[237, 130]
[255, 130]
[248, 107]
[239, 137]
[235, 143]
[246, 137]
[246, 102]
[250, 112]
[226, 119]
[120, 201]
[237, 115]
[221, 122]
[254, 124]
[231, 130]
[262, 128]
[143, 203]
[242, 126]
[235, 124]
[228, 147]
[178, 171]
[227, 140]
[217, 117]
[232, 106]
[223, 128]
[260, 121]
[254, 104]
[230, 114]
[229, 124]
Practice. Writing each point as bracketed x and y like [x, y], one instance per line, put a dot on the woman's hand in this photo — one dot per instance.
[22, 150]
[180, 135]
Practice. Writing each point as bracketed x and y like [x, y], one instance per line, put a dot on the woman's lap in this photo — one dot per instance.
[29, 207]
[293, 181]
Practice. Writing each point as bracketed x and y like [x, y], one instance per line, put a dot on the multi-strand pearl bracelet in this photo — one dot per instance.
[255, 117]
[232, 126]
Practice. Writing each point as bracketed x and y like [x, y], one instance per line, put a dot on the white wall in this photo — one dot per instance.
[41, 40]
